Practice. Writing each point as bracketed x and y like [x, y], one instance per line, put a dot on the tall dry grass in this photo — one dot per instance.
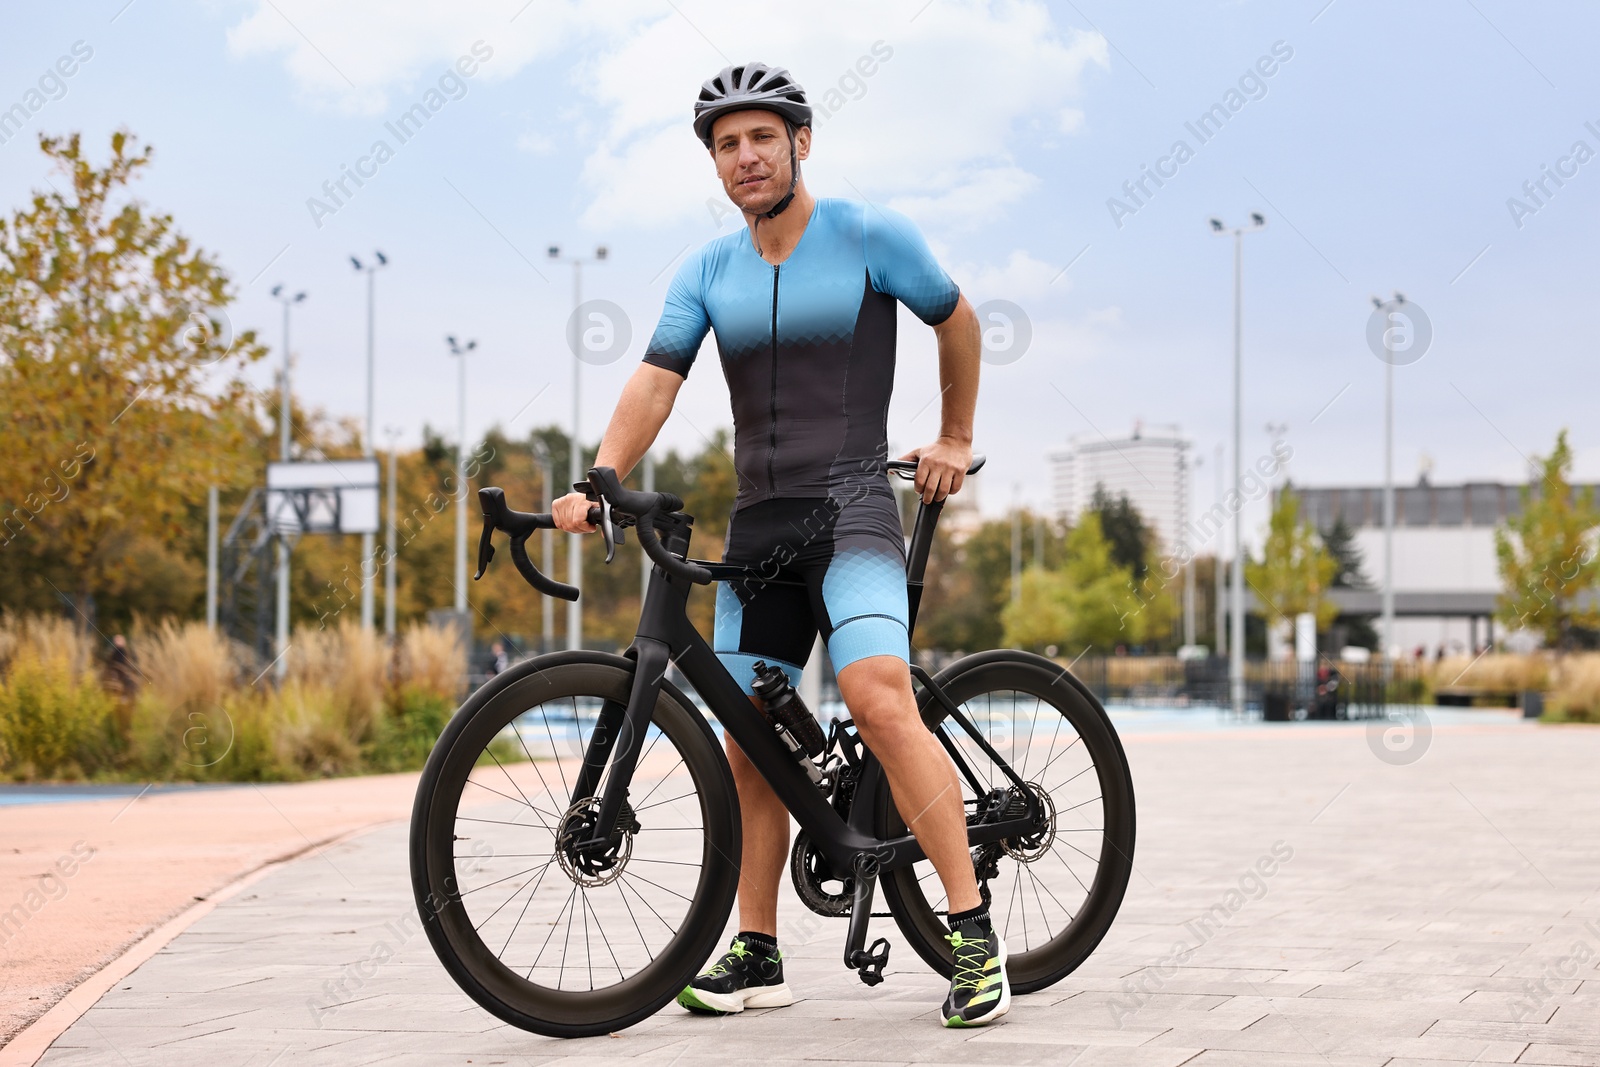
[1498, 672]
[1576, 690]
[431, 659]
[56, 717]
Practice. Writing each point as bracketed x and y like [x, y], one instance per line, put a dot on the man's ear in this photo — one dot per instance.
[802, 142]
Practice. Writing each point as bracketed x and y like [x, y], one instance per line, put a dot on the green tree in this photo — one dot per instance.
[1340, 541]
[1547, 555]
[119, 386]
[1130, 537]
[1296, 570]
[1088, 600]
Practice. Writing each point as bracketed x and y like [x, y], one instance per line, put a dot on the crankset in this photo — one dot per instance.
[812, 874]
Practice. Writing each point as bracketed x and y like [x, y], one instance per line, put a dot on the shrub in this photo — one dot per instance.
[54, 721]
[1576, 693]
[406, 735]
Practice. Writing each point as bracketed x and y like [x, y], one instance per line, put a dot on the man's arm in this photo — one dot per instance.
[641, 411]
[942, 466]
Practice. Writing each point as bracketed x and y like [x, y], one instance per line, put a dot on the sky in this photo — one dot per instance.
[1387, 146]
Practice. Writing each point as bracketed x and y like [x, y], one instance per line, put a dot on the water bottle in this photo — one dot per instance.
[790, 717]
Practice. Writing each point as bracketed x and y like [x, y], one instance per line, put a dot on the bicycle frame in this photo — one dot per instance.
[666, 635]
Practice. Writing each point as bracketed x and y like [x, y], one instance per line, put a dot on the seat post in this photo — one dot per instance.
[917, 556]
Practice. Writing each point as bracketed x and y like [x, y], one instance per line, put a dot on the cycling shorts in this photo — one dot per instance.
[850, 561]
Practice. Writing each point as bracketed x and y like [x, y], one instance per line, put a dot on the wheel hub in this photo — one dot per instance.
[591, 868]
[1025, 848]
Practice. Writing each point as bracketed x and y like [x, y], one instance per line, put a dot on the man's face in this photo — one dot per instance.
[751, 150]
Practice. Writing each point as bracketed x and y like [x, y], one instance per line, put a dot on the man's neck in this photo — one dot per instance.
[774, 238]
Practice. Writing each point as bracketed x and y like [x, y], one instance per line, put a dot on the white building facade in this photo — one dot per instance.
[1149, 467]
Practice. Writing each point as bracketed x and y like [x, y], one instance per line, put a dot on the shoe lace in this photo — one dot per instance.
[970, 963]
[736, 951]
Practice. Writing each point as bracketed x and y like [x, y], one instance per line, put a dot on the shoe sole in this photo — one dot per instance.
[705, 1002]
[1002, 1006]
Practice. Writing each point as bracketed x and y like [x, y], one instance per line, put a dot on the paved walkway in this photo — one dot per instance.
[1445, 909]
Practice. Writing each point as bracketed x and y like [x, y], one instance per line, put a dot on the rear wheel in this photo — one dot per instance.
[1052, 895]
[549, 938]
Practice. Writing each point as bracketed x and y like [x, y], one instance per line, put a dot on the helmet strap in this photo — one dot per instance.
[794, 177]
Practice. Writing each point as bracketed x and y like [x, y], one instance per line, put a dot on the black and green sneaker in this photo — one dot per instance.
[979, 991]
[749, 975]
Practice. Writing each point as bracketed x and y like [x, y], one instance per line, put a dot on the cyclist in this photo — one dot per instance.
[802, 303]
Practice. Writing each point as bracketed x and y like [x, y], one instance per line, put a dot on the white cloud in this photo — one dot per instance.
[1022, 278]
[929, 129]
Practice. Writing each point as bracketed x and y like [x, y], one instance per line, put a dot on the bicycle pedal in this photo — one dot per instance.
[869, 963]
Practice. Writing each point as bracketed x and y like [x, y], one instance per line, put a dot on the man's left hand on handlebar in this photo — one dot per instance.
[941, 468]
[571, 513]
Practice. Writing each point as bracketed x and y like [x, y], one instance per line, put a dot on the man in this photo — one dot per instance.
[803, 307]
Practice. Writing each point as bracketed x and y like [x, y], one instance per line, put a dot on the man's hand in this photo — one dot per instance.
[941, 468]
[571, 513]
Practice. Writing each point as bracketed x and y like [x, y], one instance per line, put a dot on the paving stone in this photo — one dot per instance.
[1401, 940]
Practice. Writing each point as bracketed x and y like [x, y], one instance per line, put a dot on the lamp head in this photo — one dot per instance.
[1216, 225]
[354, 262]
[555, 251]
[600, 253]
[276, 289]
[1258, 219]
[383, 260]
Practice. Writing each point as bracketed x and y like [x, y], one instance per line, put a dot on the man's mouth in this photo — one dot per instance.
[754, 180]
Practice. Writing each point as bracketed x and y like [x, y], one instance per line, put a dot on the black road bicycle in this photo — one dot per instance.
[575, 841]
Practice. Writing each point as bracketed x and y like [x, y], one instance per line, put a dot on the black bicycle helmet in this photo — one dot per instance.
[750, 87]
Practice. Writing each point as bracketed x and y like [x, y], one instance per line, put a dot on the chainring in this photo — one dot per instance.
[811, 871]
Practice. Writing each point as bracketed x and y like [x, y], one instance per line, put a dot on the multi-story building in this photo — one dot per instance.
[1149, 467]
[1446, 576]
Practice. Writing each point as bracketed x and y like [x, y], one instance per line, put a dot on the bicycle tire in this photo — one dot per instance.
[437, 873]
[966, 682]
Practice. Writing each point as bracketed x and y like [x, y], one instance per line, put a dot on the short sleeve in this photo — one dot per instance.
[684, 322]
[900, 264]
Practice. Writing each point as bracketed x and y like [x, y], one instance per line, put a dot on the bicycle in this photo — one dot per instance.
[598, 768]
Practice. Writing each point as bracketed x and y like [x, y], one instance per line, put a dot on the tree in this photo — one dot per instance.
[1130, 537]
[1340, 541]
[1089, 600]
[1296, 570]
[119, 385]
[1547, 555]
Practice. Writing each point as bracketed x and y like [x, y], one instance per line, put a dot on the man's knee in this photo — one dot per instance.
[877, 690]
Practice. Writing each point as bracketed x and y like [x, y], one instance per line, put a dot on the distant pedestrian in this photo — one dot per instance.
[498, 660]
[120, 669]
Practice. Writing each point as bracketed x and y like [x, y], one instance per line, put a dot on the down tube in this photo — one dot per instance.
[732, 707]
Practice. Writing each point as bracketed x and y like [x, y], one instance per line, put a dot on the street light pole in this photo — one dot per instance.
[369, 567]
[460, 351]
[1236, 683]
[1390, 305]
[547, 613]
[389, 561]
[575, 469]
[1189, 634]
[285, 415]
[1219, 573]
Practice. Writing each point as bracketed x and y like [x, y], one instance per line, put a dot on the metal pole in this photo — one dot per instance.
[575, 471]
[1016, 543]
[1388, 500]
[1220, 572]
[211, 558]
[547, 606]
[369, 566]
[644, 560]
[389, 562]
[1188, 553]
[461, 488]
[285, 416]
[1236, 645]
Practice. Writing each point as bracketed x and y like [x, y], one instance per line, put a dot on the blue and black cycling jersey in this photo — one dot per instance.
[808, 349]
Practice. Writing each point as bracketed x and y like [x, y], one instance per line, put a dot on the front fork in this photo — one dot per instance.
[618, 737]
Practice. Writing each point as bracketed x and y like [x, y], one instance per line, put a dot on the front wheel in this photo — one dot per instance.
[1052, 895]
[555, 940]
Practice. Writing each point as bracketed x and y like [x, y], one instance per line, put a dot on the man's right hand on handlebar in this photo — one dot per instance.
[571, 513]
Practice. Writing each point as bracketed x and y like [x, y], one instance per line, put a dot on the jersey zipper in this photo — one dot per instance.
[772, 429]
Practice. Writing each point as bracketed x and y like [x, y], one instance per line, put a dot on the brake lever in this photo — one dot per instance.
[607, 531]
[485, 547]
